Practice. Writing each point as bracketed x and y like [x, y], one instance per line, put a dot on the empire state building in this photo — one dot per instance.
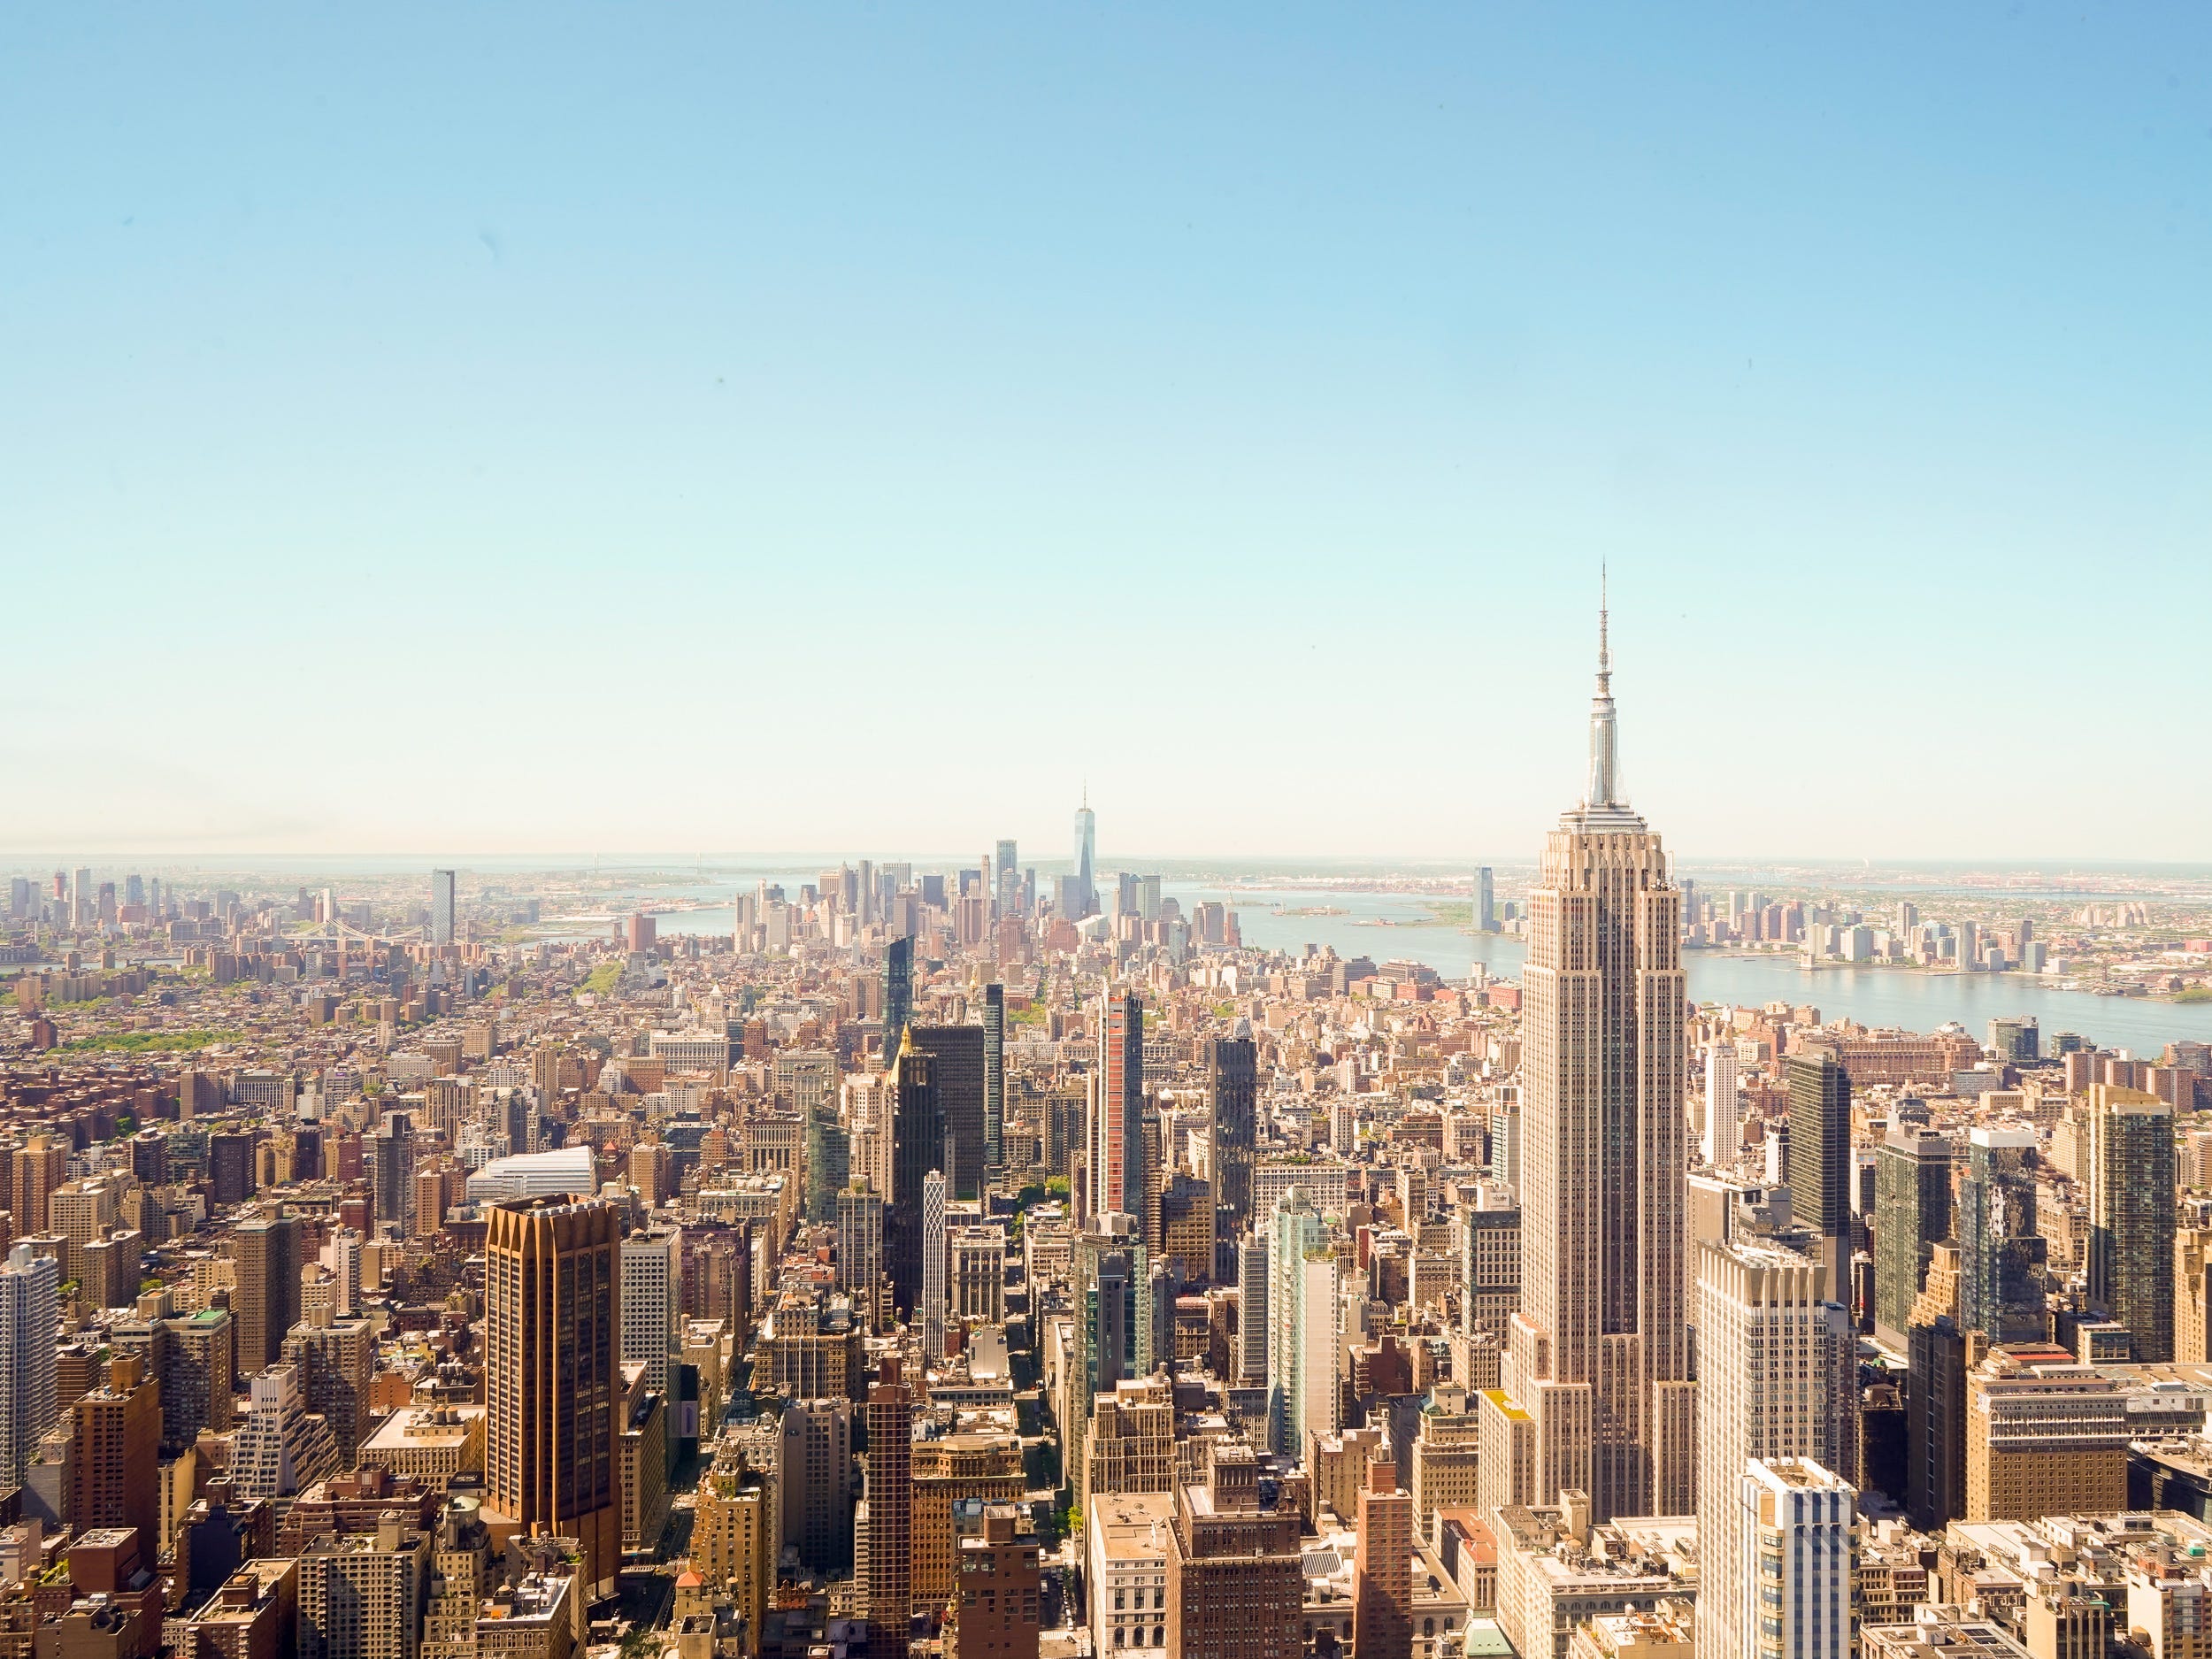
[1595, 1395]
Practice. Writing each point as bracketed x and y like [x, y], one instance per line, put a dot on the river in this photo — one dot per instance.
[1383, 925]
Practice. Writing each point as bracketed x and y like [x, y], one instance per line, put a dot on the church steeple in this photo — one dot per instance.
[1604, 786]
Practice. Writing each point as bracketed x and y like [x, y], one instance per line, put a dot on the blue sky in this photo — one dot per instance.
[563, 429]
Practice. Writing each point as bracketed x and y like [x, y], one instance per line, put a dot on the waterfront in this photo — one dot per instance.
[1383, 925]
[1912, 999]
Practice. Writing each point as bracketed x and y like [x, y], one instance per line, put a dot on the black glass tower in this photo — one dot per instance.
[898, 996]
[918, 1146]
[994, 1074]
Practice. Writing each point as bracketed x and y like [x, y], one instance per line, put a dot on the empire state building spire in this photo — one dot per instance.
[1604, 787]
[1597, 1354]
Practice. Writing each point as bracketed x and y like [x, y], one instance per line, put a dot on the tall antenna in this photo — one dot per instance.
[1605, 653]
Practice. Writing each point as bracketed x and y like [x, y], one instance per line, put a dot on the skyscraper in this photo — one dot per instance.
[1382, 1566]
[918, 1146]
[2132, 1215]
[265, 1253]
[1117, 1138]
[1086, 858]
[890, 1500]
[1233, 1102]
[1598, 1358]
[1109, 1273]
[392, 1169]
[933, 1259]
[898, 995]
[860, 1251]
[442, 907]
[652, 1303]
[115, 1463]
[2001, 1253]
[1007, 877]
[552, 1377]
[1912, 1196]
[30, 1325]
[1791, 1581]
[1724, 1106]
[1777, 1363]
[995, 1071]
[963, 1074]
[1252, 1321]
[1486, 902]
[1302, 1393]
[1820, 1158]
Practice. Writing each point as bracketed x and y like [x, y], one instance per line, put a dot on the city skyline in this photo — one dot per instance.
[1159, 367]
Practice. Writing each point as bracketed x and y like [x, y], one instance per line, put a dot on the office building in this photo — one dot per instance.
[442, 907]
[860, 1251]
[1117, 1138]
[1109, 1277]
[997, 1613]
[1777, 1379]
[2132, 1215]
[918, 1146]
[1006, 879]
[1086, 876]
[1912, 1194]
[2192, 1297]
[1232, 1107]
[1939, 1357]
[1252, 1322]
[552, 1382]
[2015, 1040]
[1599, 1353]
[1490, 1271]
[652, 1304]
[1126, 1572]
[828, 1161]
[265, 1251]
[392, 1169]
[1382, 1569]
[1724, 1106]
[962, 1075]
[2001, 1253]
[1787, 1590]
[815, 1483]
[1236, 1579]
[994, 1069]
[1820, 1158]
[1131, 1443]
[935, 1255]
[898, 995]
[890, 1505]
[1486, 902]
[1303, 1397]
[30, 1326]
[2044, 1436]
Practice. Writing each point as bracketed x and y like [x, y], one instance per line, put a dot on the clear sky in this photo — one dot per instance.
[535, 428]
